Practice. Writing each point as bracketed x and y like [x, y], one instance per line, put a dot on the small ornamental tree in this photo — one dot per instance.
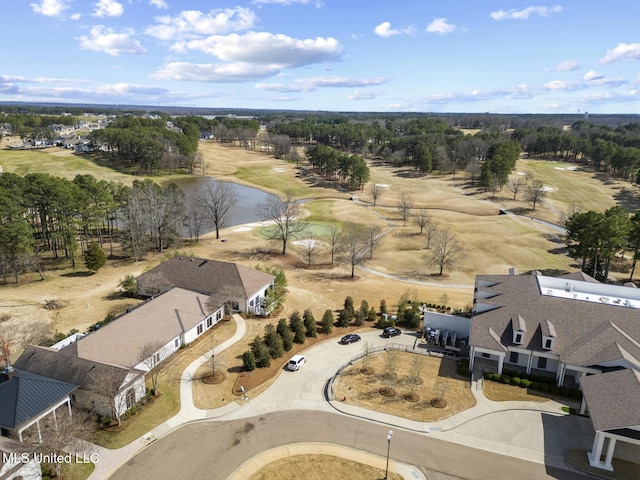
[294, 320]
[327, 322]
[348, 304]
[343, 319]
[273, 341]
[360, 317]
[285, 333]
[372, 315]
[129, 285]
[309, 323]
[248, 360]
[260, 352]
[297, 326]
[364, 307]
[94, 257]
[383, 306]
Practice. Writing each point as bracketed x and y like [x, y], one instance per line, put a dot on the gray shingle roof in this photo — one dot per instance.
[156, 322]
[582, 329]
[613, 399]
[27, 395]
[207, 276]
[65, 365]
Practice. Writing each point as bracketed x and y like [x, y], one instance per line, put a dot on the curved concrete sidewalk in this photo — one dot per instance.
[111, 460]
[310, 383]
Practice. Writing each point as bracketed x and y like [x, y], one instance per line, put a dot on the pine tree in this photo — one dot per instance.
[94, 257]
[309, 323]
[285, 333]
[327, 322]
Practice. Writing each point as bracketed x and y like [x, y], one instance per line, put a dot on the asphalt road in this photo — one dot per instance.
[213, 450]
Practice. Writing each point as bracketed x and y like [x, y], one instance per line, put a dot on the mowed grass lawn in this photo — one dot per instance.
[57, 161]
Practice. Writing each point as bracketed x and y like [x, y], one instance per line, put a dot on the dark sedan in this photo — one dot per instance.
[350, 338]
[391, 332]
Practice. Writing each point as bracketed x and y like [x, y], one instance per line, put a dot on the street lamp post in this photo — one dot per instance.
[386, 471]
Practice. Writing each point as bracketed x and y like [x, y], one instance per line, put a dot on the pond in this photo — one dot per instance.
[243, 211]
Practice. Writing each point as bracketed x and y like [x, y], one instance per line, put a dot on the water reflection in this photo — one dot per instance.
[243, 211]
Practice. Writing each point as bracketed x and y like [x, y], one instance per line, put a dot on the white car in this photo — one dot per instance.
[296, 362]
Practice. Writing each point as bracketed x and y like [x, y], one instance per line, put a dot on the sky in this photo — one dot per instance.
[507, 56]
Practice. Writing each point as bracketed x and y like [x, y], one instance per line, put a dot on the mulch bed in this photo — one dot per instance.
[213, 378]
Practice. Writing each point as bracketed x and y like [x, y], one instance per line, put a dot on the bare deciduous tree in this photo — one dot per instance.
[535, 192]
[151, 358]
[354, 241]
[309, 247]
[62, 434]
[374, 236]
[431, 229]
[333, 241]
[195, 218]
[375, 190]
[405, 204]
[516, 184]
[421, 219]
[286, 214]
[217, 200]
[106, 392]
[446, 250]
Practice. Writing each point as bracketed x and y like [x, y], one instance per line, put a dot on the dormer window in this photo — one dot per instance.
[548, 334]
[519, 328]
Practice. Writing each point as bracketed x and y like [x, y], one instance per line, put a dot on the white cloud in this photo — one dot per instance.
[161, 4]
[49, 8]
[194, 24]
[525, 13]
[385, 30]
[105, 40]
[217, 73]
[593, 75]
[311, 84]
[622, 51]
[568, 66]
[20, 79]
[360, 95]
[440, 25]
[265, 48]
[108, 8]
[75, 16]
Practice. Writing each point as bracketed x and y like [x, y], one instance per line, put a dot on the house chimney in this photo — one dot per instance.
[7, 373]
[513, 271]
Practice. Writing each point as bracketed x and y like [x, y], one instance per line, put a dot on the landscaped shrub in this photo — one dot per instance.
[515, 381]
[463, 368]
[544, 387]
[554, 389]
[505, 379]
[535, 385]
[524, 383]
[564, 391]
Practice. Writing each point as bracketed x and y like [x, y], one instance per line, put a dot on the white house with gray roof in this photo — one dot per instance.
[243, 289]
[124, 350]
[572, 327]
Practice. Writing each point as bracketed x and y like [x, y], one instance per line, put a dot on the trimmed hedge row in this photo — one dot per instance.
[545, 387]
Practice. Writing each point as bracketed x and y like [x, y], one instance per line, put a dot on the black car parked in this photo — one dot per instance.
[350, 338]
[391, 332]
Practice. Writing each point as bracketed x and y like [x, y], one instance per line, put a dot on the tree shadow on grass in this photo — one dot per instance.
[78, 274]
